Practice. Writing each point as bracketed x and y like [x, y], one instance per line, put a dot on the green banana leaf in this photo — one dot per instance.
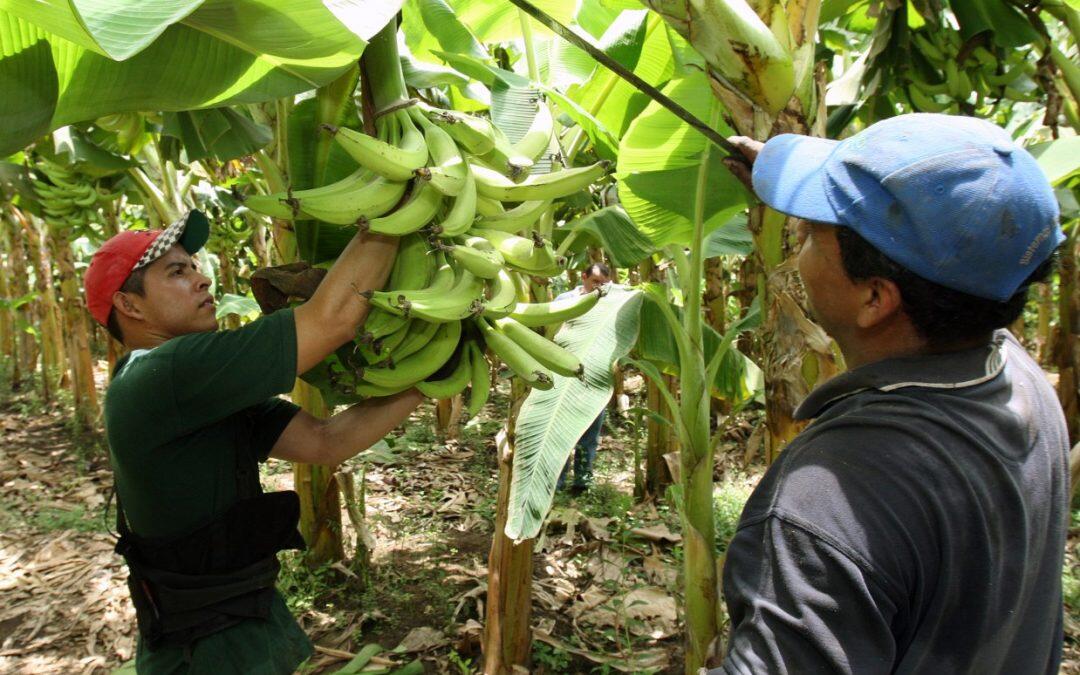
[315, 159]
[659, 159]
[1008, 27]
[1059, 159]
[244, 306]
[87, 156]
[738, 380]
[222, 133]
[500, 22]
[431, 24]
[550, 422]
[731, 238]
[226, 51]
[639, 42]
[611, 229]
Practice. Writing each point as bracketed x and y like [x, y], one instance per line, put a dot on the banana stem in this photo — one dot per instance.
[381, 65]
[281, 132]
[272, 174]
[153, 195]
[565, 245]
[530, 51]
[697, 461]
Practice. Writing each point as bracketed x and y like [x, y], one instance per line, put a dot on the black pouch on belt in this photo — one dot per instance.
[213, 577]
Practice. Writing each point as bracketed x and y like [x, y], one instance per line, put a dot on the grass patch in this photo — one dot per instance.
[728, 502]
[76, 518]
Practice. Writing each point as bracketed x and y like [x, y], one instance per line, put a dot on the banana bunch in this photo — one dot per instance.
[446, 305]
[969, 74]
[468, 209]
[69, 200]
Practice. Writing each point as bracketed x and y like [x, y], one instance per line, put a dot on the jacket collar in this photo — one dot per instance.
[953, 370]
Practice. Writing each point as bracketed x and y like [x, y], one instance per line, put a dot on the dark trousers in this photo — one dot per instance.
[584, 455]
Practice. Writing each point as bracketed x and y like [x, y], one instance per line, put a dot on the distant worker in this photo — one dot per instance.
[594, 276]
[190, 413]
[918, 525]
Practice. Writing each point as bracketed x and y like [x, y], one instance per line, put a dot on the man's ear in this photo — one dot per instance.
[881, 301]
[123, 304]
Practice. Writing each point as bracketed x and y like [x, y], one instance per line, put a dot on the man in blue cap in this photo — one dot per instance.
[918, 524]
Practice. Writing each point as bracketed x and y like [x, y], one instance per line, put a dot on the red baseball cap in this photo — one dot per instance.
[121, 255]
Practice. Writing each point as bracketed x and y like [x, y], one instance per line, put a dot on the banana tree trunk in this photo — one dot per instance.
[320, 503]
[659, 438]
[507, 637]
[21, 367]
[80, 363]
[54, 355]
[1067, 339]
[227, 282]
[7, 321]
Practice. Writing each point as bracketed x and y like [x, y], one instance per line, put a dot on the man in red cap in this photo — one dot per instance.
[189, 414]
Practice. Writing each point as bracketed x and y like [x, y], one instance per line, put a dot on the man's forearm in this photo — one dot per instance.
[363, 265]
[364, 424]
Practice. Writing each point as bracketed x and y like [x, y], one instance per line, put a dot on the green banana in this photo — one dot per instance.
[924, 103]
[530, 255]
[414, 265]
[521, 217]
[380, 323]
[539, 314]
[420, 365]
[379, 350]
[365, 200]
[488, 207]
[929, 49]
[480, 388]
[505, 159]
[419, 334]
[952, 79]
[285, 205]
[474, 133]
[485, 264]
[415, 214]
[368, 390]
[448, 171]
[454, 383]
[538, 137]
[549, 354]
[553, 185]
[394, 161]
[502, 298]
[515, 357]
[460, 302]
[461, 214]
[391, 301]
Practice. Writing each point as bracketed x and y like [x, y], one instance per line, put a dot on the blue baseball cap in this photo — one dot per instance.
[951, 198]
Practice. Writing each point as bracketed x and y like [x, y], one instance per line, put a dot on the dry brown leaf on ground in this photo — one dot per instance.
[641, 659]
[658, 533]
[654, 608]
[421, 639]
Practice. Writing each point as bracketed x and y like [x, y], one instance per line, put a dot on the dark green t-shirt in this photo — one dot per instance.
[184, 420]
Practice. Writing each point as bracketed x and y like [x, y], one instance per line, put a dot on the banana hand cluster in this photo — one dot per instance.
[461, 196]
[69, 200]
[948, 73]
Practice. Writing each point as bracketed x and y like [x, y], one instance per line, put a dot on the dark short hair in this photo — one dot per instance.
[597, 268]
[133, 284]
[942, 316]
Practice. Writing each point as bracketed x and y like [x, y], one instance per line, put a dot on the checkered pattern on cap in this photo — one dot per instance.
[169, 236]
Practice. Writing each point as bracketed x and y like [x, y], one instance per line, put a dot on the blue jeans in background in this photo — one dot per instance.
[584, 455]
